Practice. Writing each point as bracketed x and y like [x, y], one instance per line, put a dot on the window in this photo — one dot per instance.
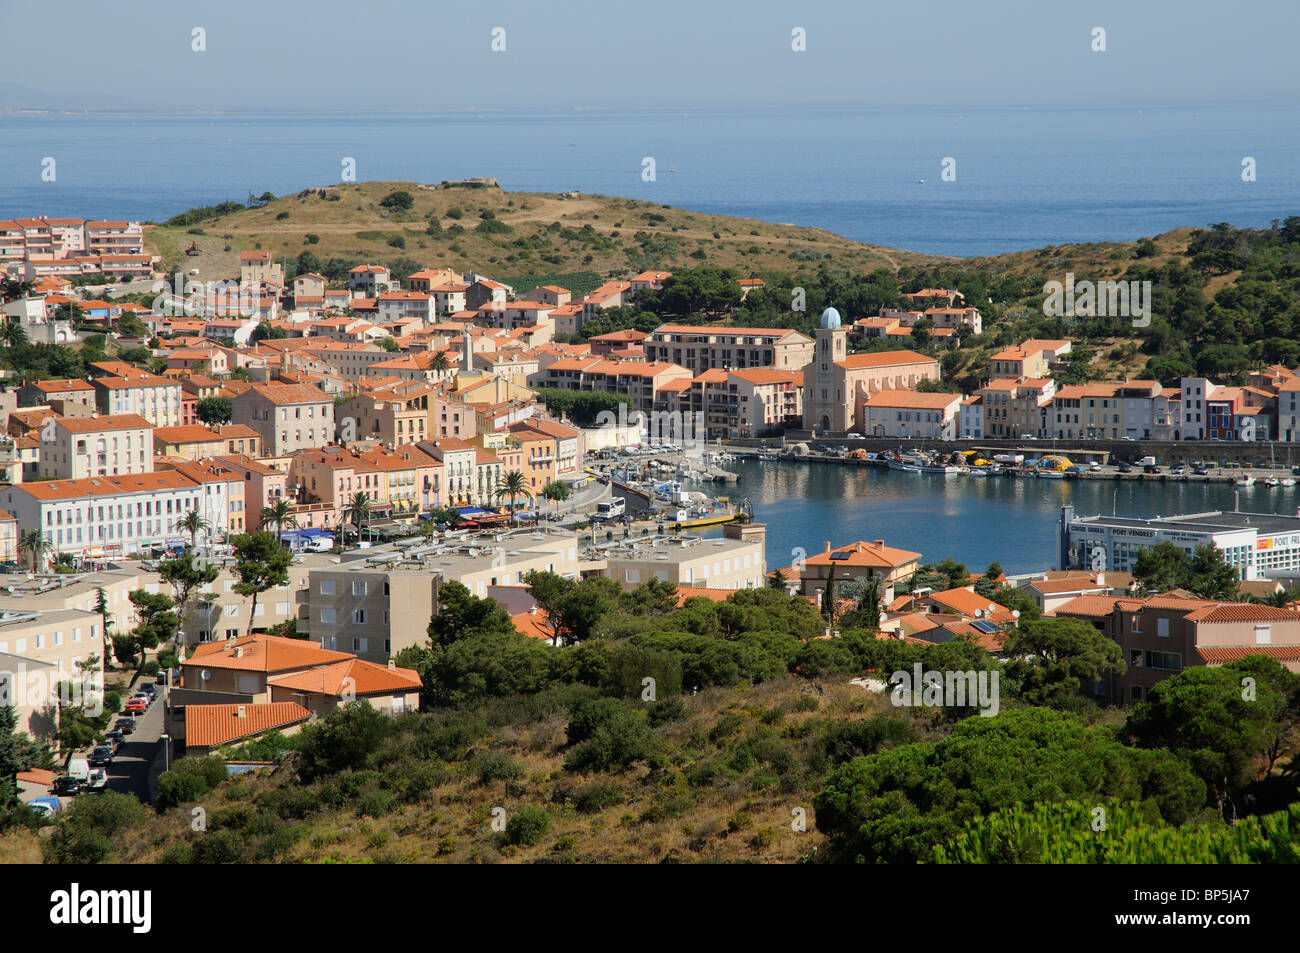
[359, 616]
[1162, 628]
[358, 588]
[360, 645]
[328, 615]
[327, 587]
[1263, 635]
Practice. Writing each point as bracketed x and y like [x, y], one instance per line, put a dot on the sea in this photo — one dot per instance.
[996, 519]
[947, 181]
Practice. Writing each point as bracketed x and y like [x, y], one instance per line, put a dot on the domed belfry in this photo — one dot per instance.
[827, 407]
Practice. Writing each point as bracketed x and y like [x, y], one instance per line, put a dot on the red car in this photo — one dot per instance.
[135, 704]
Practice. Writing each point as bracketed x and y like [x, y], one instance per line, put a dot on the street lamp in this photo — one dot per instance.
[167, 750]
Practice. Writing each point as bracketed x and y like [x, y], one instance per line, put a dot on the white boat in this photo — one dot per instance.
[1051, 475]
[1246, 481]
[905, 467]
[1287, 481]
[1272, 482]
[978, 471]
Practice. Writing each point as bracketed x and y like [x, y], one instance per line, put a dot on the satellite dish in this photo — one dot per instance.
[205, 675]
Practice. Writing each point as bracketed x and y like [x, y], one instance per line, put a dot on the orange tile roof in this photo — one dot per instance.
[366, 678]
[862, 553]
[95, 424]
[210, 725]
[968, 602]
[532, 624]
[883, 359]
[263, 653]
[1219, 654]
[1242, 612]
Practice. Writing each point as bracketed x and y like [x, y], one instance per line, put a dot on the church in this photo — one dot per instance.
[836, 383]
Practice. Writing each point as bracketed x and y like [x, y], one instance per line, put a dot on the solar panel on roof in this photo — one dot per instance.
[985, 626]
[840, 555]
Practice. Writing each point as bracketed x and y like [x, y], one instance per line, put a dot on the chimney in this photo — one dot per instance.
[1101, 579]
[391, 665]
[878, 543]
[828, 545]
[239, 651]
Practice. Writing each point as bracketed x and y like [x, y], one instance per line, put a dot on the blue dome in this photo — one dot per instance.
[830, 318]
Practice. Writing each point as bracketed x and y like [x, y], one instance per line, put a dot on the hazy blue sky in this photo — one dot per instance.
[563, 54]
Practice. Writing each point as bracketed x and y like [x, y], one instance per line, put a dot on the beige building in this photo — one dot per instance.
[156, 399]
[289, 417]
[380, 603]
[725, 563]
[702, 348]
[835, 381]
[80, 447]
[910, 414]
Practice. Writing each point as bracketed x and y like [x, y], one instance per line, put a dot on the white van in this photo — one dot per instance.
[1147, 462]
[79, 768]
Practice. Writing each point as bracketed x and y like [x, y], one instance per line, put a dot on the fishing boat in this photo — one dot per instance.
[904, 466]
[978, 471]
[1246, 481]
[1051, 474]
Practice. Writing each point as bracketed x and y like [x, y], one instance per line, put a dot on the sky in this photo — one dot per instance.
[564, 54]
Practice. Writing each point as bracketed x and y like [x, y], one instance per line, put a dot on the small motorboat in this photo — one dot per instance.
[1288, 481]
[1272, 482]
[1246, 481]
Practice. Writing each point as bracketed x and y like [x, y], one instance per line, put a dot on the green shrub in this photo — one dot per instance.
[528, 826]
[374, 804]
[188, 780]
[177, 853]
[608, 735]
[311, 238]
[496, 766]
[88, 826]
[218, 847]
[596, 797]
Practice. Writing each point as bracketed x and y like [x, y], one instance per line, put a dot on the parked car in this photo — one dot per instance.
[149, 688]
[1180, 468]
[853, 436]
[1200, 471]
[125, 725]
[1150, 468]
[115, 739]
[101, 757]
[67, 786]
[1126, 468]
[135, 705]
[46, 805]
[98, 781]
[1094, 466]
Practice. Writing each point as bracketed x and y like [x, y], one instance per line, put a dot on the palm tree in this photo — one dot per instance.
[37, 545]
[12, 289]
[512, 485]
[193, 524]
[357, 512]
[13, 334]
[279, 514]
[439, 364]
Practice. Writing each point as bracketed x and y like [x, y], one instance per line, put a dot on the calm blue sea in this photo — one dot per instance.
[1025, 177]
[1012, 521]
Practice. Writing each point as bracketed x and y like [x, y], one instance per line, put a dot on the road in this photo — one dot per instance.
[129, 772]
